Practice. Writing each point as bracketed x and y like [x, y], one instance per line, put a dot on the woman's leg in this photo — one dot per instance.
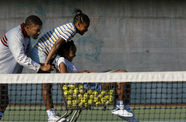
[40, 57]
[47, 96]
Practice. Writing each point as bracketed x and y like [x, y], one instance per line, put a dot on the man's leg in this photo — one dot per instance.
[3, 98]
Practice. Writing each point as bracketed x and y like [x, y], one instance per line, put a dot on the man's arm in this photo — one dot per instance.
[54, 49]
[17, 49]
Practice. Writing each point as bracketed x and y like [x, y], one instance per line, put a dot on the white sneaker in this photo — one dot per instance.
[120, 111]
[56, 119]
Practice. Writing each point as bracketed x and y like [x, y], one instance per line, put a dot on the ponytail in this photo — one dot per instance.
[80, 17]
[77, 11]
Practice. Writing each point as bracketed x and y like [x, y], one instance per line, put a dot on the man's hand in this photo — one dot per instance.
[45, 68]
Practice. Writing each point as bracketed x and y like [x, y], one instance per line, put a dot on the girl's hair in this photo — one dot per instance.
[65, 48]
[32, 19]
[80, 17]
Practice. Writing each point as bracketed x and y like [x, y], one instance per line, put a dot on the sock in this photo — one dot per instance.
[51, 112]
[119, 102]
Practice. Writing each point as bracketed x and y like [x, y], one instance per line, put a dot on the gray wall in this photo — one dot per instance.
[138, 35]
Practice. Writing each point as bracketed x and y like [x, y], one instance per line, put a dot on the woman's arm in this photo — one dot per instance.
[54, 49]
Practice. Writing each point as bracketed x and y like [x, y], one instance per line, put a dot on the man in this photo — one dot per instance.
[14, 46]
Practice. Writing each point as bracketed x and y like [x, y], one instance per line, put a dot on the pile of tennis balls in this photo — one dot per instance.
[77, 96]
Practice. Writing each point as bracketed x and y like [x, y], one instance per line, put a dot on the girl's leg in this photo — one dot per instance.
[120, 90]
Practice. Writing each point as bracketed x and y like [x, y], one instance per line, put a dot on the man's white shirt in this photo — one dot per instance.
[13, 48]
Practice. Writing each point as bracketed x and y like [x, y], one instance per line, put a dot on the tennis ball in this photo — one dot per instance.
[103, 92]
[65, 92]
[86, 104]
[75, 96]
[89, 91]
[71, 86]
[95, 93]
[69, 97]
[111, 92]
[111, 98]
[81, 91]
[76, 91]
[91, 96]
[106, 97]
[103, 100]
[85, 95]
[69, 102]
[83, 100]
[95, 99]
[107, 102]
[100, 95]
[80, 96]
[80, 86]
[90, 102]
[74, 103]
[80, 104]
[65, 87]
[70, 91]
[98, 103]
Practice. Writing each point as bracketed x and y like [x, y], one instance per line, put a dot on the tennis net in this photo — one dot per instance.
[92, 97]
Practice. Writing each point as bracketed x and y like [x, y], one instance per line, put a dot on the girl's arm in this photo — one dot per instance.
[62, 68]
[85, 71]
[54, 49]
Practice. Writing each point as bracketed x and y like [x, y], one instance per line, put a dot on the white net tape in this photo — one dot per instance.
[94, 77]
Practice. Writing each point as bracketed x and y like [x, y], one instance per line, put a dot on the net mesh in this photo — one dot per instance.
[154, 96]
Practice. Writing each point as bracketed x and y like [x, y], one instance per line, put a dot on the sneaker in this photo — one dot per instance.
[127, 107]
[129, 119]
[120, 111]
[56, 119]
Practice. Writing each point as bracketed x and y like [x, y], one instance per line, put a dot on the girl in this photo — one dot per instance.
[64, 64]
[48, 45]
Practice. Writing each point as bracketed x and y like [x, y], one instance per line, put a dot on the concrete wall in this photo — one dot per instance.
[138, 35]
